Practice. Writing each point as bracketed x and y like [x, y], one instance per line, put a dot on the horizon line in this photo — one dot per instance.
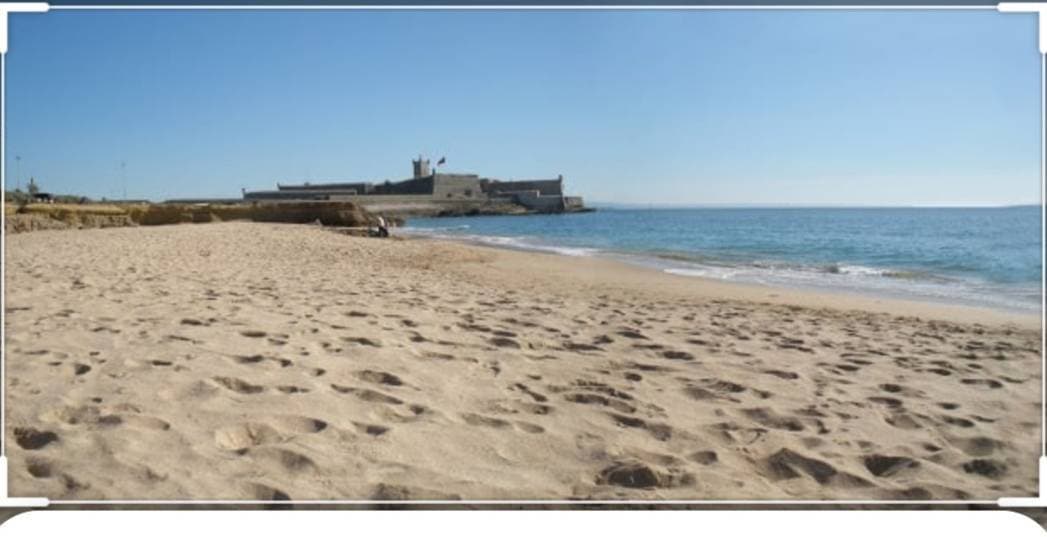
[801, 205]
[650, 205]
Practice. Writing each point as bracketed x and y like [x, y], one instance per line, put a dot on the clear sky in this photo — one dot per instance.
[867, 108]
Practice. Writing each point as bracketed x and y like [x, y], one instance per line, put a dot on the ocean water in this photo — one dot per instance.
[974, 256]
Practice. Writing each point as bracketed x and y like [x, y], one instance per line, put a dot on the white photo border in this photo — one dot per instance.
[1014, 7]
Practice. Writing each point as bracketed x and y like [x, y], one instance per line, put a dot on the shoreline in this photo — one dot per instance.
[707, 287]
[922, 263]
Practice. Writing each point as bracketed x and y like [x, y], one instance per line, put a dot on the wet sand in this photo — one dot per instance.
[268, 361]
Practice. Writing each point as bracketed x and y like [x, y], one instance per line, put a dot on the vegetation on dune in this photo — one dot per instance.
[32, 216]
[28, 211]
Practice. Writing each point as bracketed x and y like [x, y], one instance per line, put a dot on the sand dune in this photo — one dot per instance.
[267, 361]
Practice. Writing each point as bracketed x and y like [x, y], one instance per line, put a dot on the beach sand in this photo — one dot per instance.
[269, 361]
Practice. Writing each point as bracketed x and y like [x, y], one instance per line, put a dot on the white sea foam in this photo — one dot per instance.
[860, 279]
[515, 243]
[859, 270]
[874, 281]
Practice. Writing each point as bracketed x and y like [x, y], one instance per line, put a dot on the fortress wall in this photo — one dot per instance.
[532, 199]
[573, 202]
[449, 186]
[359, 187]
[411, 206]
[275, 195]
[373, 199]
[301, 195]
[421, 185]
[550, 187]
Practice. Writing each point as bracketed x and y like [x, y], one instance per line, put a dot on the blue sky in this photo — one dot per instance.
[850, 108]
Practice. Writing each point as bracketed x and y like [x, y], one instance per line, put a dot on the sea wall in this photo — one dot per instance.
[423, 206]
[573, 203]
[545, 187]
[535, 201]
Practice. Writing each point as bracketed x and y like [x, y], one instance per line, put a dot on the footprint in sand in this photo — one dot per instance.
[597, 399]
[239, 386]
[379, 377]
[716, 389]
[978, 446]
[33, 439]
[529, 392]
[788, 464]
[78, 369]
[888, 402]
[705, 458]
[146, 422]
[265, 493]
[253, 359]
[678, 355]
[529, 427]
[497, 423]
[370, 429]
[364, 394]
[389, 492]
[299, 424]
[387, 414]
[958, 422]
[484, 421]
[638, 475]
[286, 459]
[363, 341]
[580, 347]
[769, 418]
[988, 383]
[538, 409]
[38, 467]
[887, 466]
[787, 375]
[246, 435]
[658, 430]
[986, 468]
[504, 342]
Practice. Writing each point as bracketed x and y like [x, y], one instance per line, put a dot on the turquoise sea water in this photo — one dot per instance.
[977, 256]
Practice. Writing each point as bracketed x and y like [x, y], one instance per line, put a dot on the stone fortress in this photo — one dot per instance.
[429, 192]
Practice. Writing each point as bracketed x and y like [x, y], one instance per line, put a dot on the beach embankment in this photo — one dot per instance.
[41, 216]
[244, 360]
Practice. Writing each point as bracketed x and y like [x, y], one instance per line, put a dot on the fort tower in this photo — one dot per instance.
[421, 167]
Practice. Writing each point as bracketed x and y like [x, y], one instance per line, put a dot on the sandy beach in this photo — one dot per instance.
[277, 361]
